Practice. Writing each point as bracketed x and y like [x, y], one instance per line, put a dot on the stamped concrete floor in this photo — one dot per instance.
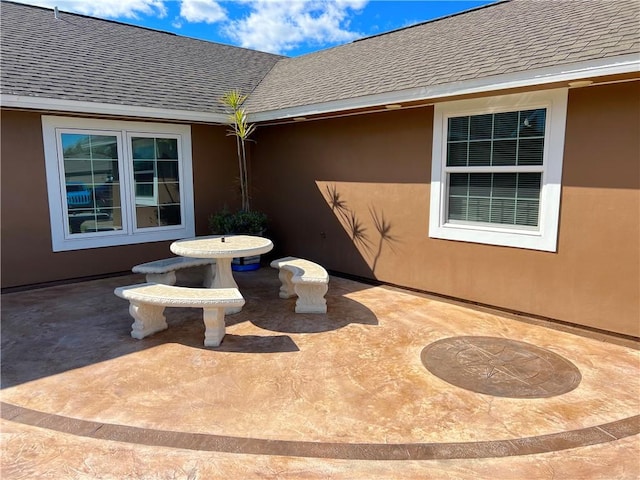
[358, 393]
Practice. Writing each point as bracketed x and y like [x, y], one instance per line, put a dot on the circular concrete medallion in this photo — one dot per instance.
[500, 367]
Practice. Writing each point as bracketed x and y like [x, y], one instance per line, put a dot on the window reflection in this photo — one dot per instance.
[156, 181]
[92, 184]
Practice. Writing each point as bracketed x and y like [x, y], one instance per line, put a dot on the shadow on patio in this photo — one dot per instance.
[51, 330]
[292, 395]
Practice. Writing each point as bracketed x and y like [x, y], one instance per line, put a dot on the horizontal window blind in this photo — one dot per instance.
[499, 139]
[502, 198]
[507, 139]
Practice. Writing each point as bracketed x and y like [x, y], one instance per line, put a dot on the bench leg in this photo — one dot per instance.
[287, 289]
[148, 319]
[168, 278]
[214, 327]
[311, 298]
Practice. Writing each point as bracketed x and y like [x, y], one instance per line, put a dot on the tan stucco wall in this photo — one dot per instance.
[353, 194]
[26, 254]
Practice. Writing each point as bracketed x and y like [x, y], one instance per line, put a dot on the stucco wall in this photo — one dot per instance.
[353, 194]
[27, 256]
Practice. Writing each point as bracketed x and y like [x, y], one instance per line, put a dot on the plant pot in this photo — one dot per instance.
[245, 264]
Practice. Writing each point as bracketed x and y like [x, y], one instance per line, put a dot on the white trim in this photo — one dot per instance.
[61, 240]
[530, 78]
[561, 73]
[543, 238]
[75, 106]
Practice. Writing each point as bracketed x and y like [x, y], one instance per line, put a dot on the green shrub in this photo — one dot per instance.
[241, 222]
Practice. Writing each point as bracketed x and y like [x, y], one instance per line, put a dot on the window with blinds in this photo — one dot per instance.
[494, 167]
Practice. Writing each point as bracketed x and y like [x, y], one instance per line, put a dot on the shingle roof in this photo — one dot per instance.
[81, 58]
[506, 37]
[91, 60]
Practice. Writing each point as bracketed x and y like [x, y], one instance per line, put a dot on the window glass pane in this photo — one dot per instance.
[480, 184]
[107, 195]
[144, 167]
[529, 185]
[79, 195]
[501, 139]
[105, 171]
[532, 122]
[105, 221]
[75, 145]
[459, 184]
[168, 193]
[144, 190]
[147, 216]
[481, 127]
[156, 179]
[503, 211]
[150, 216]
[499, 198]
[168, 171]
[457, 154]
[103, 147]
[480, 154]
[90, 165]
[458, 128]
[527, 212]
[143, 148]
[167, 148]
[457, 208]
[531, 151]
[504, 185]
[505, 125]
[479, 209]
[170, 215]
[504, 152]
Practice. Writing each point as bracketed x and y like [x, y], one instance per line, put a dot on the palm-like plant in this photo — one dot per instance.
[242, 130]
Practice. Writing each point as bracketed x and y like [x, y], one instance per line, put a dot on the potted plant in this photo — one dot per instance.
[245, 221]
[241, 222]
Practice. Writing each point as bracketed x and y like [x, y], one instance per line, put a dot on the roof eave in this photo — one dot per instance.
[530, 78]
[108, 109]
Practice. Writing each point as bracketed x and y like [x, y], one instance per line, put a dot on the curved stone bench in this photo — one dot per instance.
[308, 280]
[164, 271]
[148, 301]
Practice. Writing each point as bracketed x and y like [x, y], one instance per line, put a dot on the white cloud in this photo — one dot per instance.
[106, 8]
[208, 11]
[278, 26]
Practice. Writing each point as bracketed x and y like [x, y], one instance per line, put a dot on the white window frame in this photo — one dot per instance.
[62, 240]
[545, 236]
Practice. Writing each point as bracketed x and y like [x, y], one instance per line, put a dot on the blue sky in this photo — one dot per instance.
[287, 27]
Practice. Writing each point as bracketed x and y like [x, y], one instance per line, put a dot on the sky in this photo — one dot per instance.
[285, 27]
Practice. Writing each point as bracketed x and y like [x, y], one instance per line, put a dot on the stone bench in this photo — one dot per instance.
[164, 271]
[308, 280]
[148, 301]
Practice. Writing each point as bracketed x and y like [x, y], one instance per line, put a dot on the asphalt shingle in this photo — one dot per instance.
[81, 58]
[87, 59]
[507, 37]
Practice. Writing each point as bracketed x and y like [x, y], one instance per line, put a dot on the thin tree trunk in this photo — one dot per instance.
[245, 180]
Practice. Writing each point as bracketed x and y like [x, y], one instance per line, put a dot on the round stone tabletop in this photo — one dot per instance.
[222, 246]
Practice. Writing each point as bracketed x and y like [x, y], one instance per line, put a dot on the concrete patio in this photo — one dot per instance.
[345, 395]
